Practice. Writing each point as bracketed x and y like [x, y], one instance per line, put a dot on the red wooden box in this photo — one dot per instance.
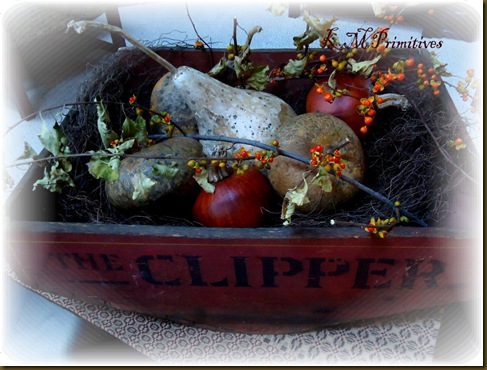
[273, 279]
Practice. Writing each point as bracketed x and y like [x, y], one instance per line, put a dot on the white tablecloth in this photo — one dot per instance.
[403, 339]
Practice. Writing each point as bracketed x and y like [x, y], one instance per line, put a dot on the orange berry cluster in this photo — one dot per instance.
[328, 95]
[427, 77]
[264, 158]
[463, 89]
[331, 162]
[391, 13]
[382, 79]
[198, 44]
[366, 108]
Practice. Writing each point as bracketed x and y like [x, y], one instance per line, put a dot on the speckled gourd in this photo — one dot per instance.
[223, 110]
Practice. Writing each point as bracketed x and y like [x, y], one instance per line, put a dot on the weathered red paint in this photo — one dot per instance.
[267, 280]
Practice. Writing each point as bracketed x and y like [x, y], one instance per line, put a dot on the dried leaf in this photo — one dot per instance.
[305, 39]
[106, 134]
[50, 139]
[322, 27]
[54, 178]
[364, 68]
[28, 153]
[294, 198]
[218, 68]
[257, 80]
[135, 129]
[142, 185]
[295, 67]
[323, 180]
[332, 82]
[202, 180]
[164, 170]
[440, 68]
[105, 168]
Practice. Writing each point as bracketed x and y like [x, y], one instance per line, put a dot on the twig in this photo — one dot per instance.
[197, 34]
[440, 149]
[49, 109]
[80, 27]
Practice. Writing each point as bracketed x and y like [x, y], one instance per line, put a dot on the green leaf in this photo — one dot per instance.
[202, 180]
[258, 78]
[305, 39]
[106, 134]
[50, 139]
[241, 66]
[218, 68]
[163, 170]
[142, 185]
[135, 129]
[28, 153]
[364, 68]
[323, 180]
[105, 168]
[295, 67]
[122, 148]
[54, 178]
[440, 68]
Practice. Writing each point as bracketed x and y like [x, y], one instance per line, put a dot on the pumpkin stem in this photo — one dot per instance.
[215, 172]
[394, 100]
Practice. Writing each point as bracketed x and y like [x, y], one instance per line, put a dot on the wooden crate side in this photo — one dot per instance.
[239, 282]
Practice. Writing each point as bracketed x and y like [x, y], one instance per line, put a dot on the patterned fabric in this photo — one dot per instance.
[405, 339]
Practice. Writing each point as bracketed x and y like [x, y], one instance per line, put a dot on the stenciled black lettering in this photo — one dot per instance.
[62, 258]
[363, 272]
[146, 273]
[241, 275]
[196, 275]
[411, 274]
[315, 271]
[111, 262]
[269, 272]
[88, 259]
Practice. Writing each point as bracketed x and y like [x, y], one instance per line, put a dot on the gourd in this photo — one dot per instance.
[165, 97]
[177, 181]
[305, 132]
[222, 110]
[219, 109]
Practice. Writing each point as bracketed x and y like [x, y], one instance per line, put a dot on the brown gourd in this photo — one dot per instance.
[305, 132]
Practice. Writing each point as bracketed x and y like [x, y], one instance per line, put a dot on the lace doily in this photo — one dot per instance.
[404, 339]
